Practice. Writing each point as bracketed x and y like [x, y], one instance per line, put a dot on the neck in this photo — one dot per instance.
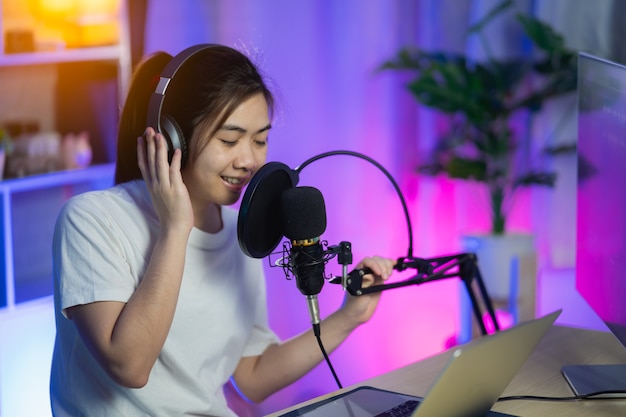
[209, 218]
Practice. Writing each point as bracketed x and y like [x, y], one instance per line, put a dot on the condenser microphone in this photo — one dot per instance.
[303, 222]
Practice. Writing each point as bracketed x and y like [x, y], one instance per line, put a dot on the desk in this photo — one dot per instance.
[540, 375]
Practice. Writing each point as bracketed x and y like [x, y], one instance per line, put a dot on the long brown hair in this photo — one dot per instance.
[210, 85]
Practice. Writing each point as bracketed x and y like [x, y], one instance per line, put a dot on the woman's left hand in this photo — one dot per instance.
[361, 308]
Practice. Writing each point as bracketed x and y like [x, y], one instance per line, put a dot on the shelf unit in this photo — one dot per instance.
[28, 209]
[65, 90]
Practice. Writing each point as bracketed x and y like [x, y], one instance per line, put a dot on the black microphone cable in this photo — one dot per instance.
[405, 209]
[318, 337]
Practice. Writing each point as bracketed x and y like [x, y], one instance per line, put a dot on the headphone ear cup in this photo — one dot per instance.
[174, 138]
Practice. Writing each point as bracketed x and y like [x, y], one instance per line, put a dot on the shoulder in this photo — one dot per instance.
[125, 200]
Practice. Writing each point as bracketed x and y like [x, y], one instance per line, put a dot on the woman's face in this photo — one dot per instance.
[231, 156]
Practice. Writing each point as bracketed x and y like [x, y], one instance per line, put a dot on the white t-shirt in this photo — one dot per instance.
[102, 245]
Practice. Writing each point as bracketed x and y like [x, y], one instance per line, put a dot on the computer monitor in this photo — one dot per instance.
[601, 211]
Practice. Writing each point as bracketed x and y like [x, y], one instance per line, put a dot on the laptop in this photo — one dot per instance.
[475, 376]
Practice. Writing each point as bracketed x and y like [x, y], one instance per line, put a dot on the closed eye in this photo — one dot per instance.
[228, 143]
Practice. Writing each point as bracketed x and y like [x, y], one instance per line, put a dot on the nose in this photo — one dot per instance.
[246, 159]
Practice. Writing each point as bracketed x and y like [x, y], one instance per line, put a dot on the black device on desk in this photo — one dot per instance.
[601, 213]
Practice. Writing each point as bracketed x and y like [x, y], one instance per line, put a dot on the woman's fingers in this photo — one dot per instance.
[151, 139]
[162, 166]
[380, 266]
[152, 158]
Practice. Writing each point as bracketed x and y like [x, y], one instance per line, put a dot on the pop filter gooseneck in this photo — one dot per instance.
[259, 225]
[384, 171]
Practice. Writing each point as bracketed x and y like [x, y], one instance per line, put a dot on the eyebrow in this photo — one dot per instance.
[235, 128]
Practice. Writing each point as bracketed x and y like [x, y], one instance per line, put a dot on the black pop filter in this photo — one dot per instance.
[259, 226]
[303, 213]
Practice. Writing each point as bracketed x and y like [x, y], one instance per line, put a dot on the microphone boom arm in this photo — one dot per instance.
[429, 270]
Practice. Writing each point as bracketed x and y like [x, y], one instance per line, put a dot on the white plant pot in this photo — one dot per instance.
[500, 258]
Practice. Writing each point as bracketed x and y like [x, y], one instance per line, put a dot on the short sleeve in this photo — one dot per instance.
[88, 259]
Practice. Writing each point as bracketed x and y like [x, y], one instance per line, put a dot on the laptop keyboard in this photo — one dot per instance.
[403, 410]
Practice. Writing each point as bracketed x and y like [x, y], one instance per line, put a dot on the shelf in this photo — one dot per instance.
[56, 179]
[48, 88]
[102, 53]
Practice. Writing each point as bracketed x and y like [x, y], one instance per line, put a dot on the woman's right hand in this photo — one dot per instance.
[164, 182]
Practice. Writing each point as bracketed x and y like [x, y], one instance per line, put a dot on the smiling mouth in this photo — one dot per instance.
[233, 181]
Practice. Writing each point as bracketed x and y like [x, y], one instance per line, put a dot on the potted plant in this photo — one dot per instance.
[483, 98]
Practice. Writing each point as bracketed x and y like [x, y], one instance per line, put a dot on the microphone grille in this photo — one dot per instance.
[303, 213]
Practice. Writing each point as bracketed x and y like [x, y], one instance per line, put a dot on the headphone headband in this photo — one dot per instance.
[155, 107]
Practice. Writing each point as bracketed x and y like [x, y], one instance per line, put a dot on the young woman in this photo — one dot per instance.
[156, 305]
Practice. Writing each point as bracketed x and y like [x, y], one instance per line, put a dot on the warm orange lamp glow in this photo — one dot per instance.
[78, 23]
[55, 9]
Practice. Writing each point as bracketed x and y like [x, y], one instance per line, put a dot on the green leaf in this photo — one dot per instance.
[432, 169]
[536, 178]
[558, 63]
[499, 144]
[563, 149]
[465, 168]
[542, 34]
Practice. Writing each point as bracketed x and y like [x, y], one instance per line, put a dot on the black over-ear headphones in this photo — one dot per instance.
[165, 123]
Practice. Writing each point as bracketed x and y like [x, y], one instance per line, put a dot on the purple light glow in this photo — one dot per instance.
[601, 246]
